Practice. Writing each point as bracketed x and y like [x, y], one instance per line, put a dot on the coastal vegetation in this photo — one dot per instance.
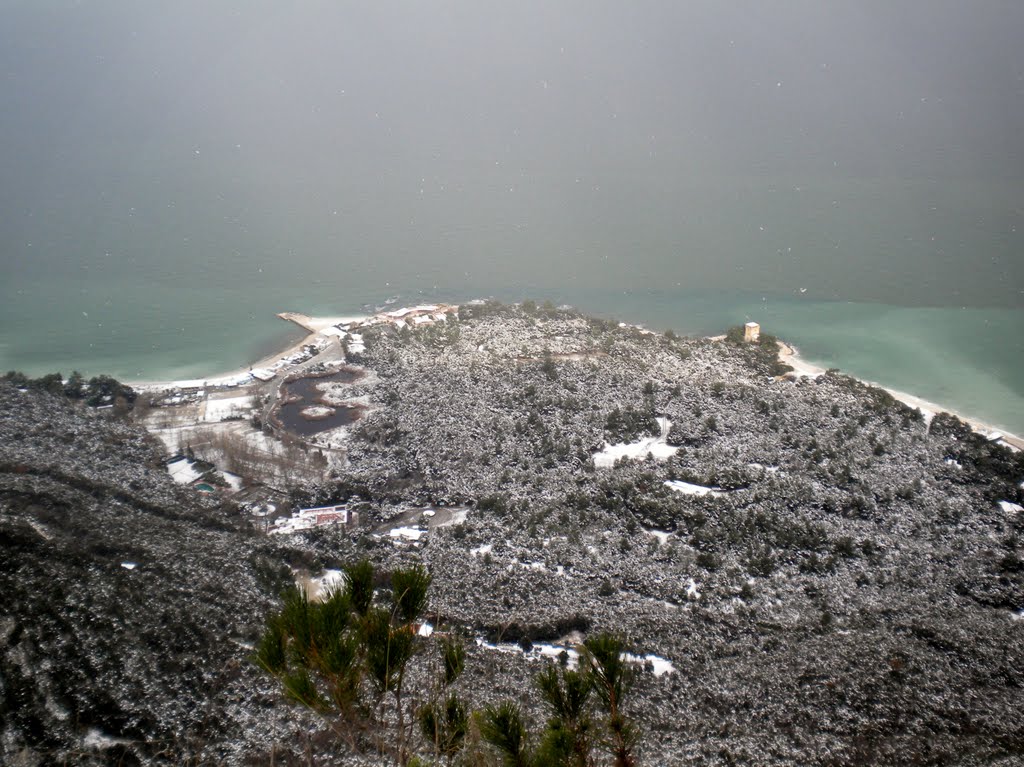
[804, 570]
[96, 392]
[349, 657]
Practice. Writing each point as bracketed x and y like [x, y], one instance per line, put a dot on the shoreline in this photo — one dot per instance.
[320, 331]
[315, 327]
[790, 355]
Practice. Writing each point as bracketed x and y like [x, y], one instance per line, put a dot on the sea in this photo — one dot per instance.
[172, 177]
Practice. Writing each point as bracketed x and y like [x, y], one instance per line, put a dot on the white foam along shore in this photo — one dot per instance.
[801, 367]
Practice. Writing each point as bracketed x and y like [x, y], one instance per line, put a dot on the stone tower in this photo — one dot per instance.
[751, 332]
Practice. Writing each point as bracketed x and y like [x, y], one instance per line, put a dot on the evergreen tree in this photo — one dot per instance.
[567, 739]
[327, 654]
[604, 658]
[503, 727]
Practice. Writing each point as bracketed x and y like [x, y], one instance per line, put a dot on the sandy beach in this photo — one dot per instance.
[314, 327]
[317, 327]
[320, 331]
[791, 356]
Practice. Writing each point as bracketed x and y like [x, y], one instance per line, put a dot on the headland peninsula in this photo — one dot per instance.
[801, 568]
[328, 341]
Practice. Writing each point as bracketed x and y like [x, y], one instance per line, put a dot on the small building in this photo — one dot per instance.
[330, 515]
[751, 332]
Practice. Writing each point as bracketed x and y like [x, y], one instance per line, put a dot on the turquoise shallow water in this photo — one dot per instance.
[968, 359]
[681, 165]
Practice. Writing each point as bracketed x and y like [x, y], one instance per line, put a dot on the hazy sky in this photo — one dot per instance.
[159, 134]
[930, 86]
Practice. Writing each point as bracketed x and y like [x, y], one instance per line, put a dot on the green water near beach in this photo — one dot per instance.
[687, 165]
[968, 359]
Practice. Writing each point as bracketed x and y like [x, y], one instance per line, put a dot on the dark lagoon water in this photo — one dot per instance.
[304, 393]
[171, 177]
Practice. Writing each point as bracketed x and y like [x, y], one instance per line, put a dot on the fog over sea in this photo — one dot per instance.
[849, 175]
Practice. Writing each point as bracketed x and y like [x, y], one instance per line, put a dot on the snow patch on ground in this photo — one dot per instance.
[538, 651]
[661, 665]
[261, 509]
[533, 565]
[182, 472]
[688, 488]
[554, 651]
[229, 407]
[661, 535]
[230, 380]
[692, 592]
[317, 411]
[98, 739]
[233, 480]
[481, 550]
[317, 588]
[657, 447]
[457, 518]
[408, 533]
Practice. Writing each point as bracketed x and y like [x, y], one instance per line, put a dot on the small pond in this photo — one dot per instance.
[303, 394]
